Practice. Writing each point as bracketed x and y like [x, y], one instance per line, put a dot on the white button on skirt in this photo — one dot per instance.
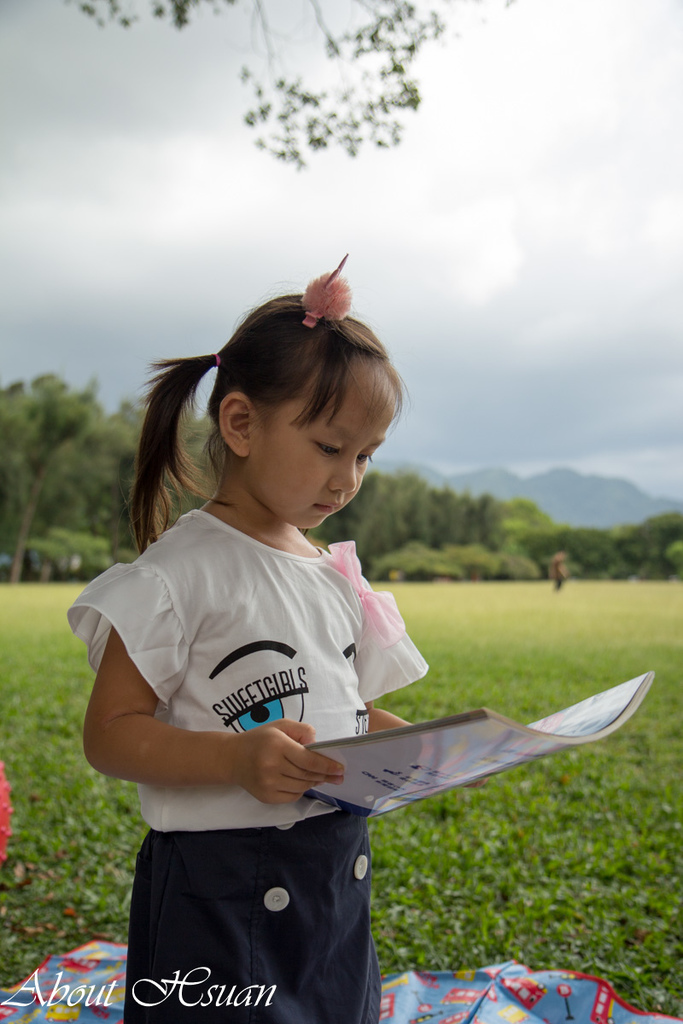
[276, 898]
[360, 868]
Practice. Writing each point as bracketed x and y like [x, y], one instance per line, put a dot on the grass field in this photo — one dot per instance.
[574, 862]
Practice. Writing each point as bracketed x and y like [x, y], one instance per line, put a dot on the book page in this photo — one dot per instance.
[386, 770]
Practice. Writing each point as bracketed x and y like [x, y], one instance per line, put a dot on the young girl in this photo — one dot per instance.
[229, 646]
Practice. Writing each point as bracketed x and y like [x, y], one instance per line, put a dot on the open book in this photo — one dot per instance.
[386, 770]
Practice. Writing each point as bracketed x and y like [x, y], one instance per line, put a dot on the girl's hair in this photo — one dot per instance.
[271, 358]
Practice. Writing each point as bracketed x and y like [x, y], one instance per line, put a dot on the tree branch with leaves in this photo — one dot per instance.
[375, 60]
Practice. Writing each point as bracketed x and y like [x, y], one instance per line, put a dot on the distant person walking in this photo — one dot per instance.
[558, 571]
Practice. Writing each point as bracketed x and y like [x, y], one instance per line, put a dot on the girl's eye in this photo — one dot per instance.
[329, 449]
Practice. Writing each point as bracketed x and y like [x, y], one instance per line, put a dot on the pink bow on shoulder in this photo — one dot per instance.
[381, 612]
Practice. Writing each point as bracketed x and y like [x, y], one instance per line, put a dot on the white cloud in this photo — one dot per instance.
[471, 250]
[664, 225]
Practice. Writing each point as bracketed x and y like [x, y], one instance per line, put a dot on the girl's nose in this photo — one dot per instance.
[344, 478]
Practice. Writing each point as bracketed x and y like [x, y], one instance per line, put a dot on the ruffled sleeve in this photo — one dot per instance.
[383, 669]
[136, 602]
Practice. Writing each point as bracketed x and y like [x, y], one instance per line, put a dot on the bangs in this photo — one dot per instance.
[341, 368]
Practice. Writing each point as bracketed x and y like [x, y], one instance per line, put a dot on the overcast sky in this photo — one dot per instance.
[521, 253]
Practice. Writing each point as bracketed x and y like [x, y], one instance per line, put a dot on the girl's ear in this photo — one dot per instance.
[236, 419]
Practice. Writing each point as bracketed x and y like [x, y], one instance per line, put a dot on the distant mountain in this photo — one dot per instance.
[566, 496]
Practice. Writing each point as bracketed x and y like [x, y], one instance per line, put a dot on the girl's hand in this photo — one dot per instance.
[273, 764]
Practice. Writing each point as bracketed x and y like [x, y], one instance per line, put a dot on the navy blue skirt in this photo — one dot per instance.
[254, 926]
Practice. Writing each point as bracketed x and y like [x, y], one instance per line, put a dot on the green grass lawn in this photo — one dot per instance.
[575, 861]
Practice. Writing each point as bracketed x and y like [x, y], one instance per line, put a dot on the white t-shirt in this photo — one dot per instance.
[231, 633]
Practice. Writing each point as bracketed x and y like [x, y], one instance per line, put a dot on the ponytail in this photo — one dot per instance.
[163, 469]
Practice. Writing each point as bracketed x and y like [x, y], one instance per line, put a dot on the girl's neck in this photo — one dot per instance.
[278, 535]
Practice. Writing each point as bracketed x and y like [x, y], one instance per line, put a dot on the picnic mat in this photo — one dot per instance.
[86, 985]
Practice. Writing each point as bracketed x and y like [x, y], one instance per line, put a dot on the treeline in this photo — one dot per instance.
[67, 469]
[405, 528]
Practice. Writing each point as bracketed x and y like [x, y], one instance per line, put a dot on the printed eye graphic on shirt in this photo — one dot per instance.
[277, 693]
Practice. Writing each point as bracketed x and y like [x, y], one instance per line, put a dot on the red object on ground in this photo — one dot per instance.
[5, 813]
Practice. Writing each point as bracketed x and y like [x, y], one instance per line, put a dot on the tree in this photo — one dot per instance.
[450, 517]
[477, 561]
[674, 553]
[541, 542]
[84, 491]
[659, 533]
[71, 554]
[416, 561]
[96, 501]
[39, 421]
[388, 512]
[375, 59]
[513, 566]
[485, 518]
[12, 469]
[630, 546]
[591, 552]
[518, 516]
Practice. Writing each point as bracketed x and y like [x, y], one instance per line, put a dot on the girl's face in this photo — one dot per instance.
[299, 475]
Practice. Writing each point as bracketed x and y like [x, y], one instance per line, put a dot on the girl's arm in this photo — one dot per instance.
[379, 719]
[122, 738]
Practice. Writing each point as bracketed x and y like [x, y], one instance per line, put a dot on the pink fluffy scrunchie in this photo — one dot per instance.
[328, 297]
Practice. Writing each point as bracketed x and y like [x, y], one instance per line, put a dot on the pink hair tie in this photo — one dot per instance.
[218, 360]
[327, 297]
